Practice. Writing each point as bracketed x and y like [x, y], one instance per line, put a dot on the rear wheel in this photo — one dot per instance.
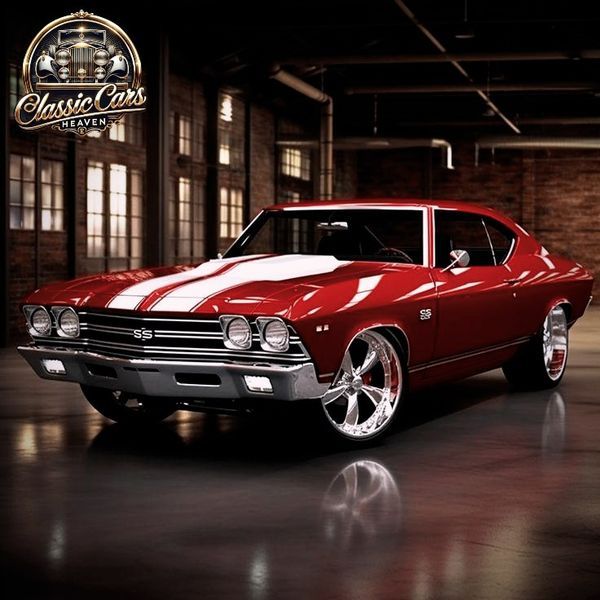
[364, 397]
[128, 408]
[541, 363]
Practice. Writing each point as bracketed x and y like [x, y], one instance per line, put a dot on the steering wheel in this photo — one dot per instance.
[389, 251]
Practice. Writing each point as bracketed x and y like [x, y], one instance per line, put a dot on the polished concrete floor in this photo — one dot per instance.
[479, 493]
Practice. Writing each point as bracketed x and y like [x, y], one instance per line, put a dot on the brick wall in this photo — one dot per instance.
[262, 157]
[554, 194]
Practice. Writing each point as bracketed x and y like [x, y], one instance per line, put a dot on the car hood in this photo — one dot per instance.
[241, 285]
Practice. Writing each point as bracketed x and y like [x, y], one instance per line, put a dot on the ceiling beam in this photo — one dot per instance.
[461, 88]
[408, 59]
[558, 121]
[441, 48]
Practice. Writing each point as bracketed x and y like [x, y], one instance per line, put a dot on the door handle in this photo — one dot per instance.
[512, 281]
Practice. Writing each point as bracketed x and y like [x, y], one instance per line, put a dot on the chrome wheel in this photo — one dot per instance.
[366, 391]
[555, 342]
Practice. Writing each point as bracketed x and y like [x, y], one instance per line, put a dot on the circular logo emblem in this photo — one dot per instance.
[81, 73]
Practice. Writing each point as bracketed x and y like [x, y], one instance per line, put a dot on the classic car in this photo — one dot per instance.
[343, 304]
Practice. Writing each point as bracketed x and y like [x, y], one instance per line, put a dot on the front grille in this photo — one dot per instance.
[82, 58]
[122, 336]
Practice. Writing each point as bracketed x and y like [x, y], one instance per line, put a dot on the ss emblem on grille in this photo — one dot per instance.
[143, 334]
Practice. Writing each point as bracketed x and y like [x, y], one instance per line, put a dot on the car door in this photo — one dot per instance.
[476, 303]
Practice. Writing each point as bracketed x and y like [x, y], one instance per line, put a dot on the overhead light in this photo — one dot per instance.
[465, 33]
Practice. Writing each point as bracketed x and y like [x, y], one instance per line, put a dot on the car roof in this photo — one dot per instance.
[383, 203]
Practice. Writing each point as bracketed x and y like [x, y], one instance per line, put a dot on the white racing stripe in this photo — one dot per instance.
[272, 268]
[131, 297]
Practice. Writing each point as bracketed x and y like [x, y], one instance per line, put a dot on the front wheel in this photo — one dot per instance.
[128, 408]
[540, 364]
[364, 397]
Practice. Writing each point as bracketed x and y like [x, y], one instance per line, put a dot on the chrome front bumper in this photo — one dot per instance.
[163, 378]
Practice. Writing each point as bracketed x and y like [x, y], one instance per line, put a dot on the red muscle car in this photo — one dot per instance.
[348, 303]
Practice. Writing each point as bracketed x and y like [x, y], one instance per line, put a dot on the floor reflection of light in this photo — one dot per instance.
[187, 424]
[454, 568]
[258, 575]
[56, 546]
[422, 582]
[553, 429]
[51, 435]
[26, 443]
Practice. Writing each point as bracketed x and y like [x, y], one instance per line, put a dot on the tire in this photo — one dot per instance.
[540, 364]
[367, 391]
[128, 408]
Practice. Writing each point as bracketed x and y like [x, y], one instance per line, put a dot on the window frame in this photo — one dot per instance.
[484, 219]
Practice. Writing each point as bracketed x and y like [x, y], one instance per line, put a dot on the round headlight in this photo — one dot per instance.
[238, 333]
[63, 73]
[63, 58]
[68, 323]
[100, 72]
[276, 335]
[101, 57]
[41, 323]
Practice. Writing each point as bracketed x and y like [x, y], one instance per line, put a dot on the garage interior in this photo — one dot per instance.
[479, 491]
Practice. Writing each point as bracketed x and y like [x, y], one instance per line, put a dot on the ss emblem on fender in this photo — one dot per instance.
[425, 314]
[143, 334]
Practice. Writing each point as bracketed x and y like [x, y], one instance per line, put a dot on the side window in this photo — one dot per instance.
[501, 238]
[467, 231]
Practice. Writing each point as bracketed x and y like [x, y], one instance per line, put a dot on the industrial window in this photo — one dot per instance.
[198, 141]
[295, 162]
[16, 88]
[134, 131]
[185, 135]
[231, 212]
[187, 220]
[118, 211]
[226, 112]
[137, 220]
[117, 131]
[231, 132]
[114, 215]
[22, 192]
[52, 188]
[289, 196]
[95, 210]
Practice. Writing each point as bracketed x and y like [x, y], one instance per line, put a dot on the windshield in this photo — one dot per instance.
[390, 235]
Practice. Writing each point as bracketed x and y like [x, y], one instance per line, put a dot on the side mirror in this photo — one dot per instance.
[458, 258]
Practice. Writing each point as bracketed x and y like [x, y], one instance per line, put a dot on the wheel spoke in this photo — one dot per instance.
[370, 361]
[352, 409]
[347, 366]
[374, 394]
[334, 393]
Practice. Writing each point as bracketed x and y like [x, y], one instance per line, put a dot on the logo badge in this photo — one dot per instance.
[81, 73]
[425, 314]
[143, 334]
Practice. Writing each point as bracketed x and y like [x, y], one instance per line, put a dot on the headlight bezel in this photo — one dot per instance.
[59, 312]
[263, 326]
[30, 311]
[226, 321]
